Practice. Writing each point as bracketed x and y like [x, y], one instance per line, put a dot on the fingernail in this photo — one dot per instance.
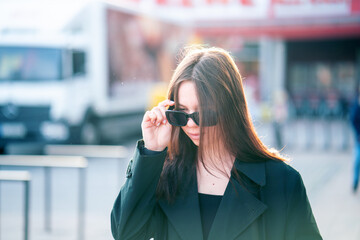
[164, 121]
[158, 124]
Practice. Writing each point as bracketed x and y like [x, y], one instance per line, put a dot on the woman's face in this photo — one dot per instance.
[188, 102]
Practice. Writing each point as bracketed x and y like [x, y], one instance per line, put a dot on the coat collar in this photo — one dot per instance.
[253, 170]
[237, 210]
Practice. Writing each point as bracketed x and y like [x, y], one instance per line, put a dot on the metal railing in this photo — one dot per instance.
[20, 176]
[48, 162]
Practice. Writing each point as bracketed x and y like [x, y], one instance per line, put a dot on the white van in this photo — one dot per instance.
[89, 84]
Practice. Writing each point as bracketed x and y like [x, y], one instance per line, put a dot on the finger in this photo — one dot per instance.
[152, 116]
[164, 120]
[166, 103]
[159, 116]
[147, 116]
[163, 108]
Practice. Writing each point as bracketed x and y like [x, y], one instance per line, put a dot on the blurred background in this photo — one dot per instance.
[77, 76]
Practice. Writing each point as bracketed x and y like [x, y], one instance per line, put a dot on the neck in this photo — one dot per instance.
[213, 174]
[216, 163]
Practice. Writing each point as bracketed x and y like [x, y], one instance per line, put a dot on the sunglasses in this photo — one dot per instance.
[180, 119]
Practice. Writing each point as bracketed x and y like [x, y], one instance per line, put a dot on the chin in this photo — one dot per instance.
[195, 138]
[196, 142]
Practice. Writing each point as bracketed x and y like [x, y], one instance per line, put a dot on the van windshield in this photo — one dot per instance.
[30, 64]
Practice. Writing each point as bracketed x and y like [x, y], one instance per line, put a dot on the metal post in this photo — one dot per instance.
[82, 192]
[47, 192]
[26, 210]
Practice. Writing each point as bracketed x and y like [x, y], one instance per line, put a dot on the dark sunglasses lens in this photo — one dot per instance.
[176, 118]
[196, 118]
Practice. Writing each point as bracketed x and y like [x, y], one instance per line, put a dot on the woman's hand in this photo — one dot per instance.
[156, 130]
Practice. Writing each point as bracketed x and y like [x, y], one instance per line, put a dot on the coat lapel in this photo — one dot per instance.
[239, 207]
[184, 214]
[237, 210]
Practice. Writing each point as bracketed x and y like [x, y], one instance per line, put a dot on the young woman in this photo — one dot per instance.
[201, 172]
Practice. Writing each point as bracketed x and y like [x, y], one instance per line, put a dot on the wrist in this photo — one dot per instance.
[154, 149]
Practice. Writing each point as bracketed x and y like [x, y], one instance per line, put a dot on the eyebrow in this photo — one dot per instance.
[180, 105]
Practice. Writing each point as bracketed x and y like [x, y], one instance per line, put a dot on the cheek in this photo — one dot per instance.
[184, 129]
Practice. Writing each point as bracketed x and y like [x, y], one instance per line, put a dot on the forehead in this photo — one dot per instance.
[187, 95]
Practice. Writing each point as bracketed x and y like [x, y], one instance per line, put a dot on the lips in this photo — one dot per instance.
[194, 136]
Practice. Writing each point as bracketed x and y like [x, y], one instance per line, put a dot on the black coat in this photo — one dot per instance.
[271, 203]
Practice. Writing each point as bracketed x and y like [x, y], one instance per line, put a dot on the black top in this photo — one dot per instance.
[209, 205]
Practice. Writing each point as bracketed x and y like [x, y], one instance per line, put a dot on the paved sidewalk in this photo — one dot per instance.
[327, 176]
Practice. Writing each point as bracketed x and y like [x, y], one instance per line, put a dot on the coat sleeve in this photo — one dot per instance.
[135, 205]
[300, 223]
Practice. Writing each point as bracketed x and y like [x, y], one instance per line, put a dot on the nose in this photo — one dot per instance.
[191, 123]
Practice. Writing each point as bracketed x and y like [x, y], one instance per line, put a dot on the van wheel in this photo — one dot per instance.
[90, 133]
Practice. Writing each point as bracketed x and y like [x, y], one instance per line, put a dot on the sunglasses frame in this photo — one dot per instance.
[191, 115]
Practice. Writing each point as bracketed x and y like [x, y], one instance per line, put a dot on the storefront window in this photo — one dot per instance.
[322, 89]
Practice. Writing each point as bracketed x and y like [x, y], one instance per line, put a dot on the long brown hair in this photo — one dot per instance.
[221, 95]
